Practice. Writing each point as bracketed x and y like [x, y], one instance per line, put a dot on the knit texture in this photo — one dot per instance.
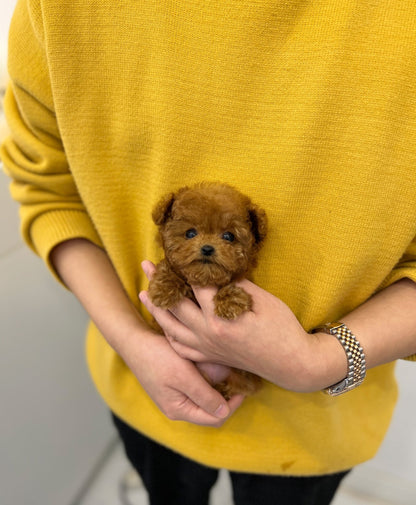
[306, 106]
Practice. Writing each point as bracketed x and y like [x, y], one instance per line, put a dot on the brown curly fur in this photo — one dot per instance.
[211, 234]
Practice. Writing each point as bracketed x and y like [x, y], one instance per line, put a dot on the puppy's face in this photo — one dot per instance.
[208, 234]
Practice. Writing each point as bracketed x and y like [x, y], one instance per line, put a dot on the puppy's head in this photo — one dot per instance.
[211, 233]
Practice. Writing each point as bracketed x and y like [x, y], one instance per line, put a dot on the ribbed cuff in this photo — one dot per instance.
[55, 227]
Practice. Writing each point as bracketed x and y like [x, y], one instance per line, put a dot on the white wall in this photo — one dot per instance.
[6, 10]
[53, 427]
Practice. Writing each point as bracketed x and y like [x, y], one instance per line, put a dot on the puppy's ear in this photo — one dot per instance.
[163, 209]
[258, 221]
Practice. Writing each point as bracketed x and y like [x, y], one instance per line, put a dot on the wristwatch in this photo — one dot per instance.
[355, 357]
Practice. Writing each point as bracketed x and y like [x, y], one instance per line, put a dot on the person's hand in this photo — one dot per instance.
[268, 340]
[173, 383]
[176, 385]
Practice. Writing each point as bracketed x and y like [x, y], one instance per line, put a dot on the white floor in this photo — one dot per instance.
[117, 484]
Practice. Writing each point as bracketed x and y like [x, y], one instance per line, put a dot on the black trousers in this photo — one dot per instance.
[171, 479]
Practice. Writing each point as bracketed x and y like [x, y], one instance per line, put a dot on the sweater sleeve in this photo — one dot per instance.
[51, 209]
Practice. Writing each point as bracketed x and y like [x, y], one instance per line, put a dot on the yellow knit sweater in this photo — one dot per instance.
[308, 106]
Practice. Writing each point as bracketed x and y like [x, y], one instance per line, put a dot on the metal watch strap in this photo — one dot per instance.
[355, 357]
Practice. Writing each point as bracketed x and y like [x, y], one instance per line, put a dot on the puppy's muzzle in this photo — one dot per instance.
[207, 250]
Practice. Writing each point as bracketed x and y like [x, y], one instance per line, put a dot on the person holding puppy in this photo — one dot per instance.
[305, 107]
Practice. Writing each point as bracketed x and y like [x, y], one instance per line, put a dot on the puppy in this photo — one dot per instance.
[211, 235]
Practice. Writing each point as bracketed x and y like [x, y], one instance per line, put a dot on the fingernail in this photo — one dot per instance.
[222, 411]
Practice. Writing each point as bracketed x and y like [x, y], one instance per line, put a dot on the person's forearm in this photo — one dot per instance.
[386, 323]
[385, 326]
[88, 273]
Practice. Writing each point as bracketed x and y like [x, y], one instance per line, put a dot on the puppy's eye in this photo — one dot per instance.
[191, 233]
[228, 236]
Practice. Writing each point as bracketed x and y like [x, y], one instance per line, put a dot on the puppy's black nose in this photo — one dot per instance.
[207, 250]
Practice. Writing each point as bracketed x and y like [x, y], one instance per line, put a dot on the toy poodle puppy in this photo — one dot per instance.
[211, 235]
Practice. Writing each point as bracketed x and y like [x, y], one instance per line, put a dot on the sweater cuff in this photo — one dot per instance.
[55, 227]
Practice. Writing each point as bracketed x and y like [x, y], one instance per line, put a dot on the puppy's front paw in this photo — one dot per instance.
[168, 294]
[231, 301]
[166, 289]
